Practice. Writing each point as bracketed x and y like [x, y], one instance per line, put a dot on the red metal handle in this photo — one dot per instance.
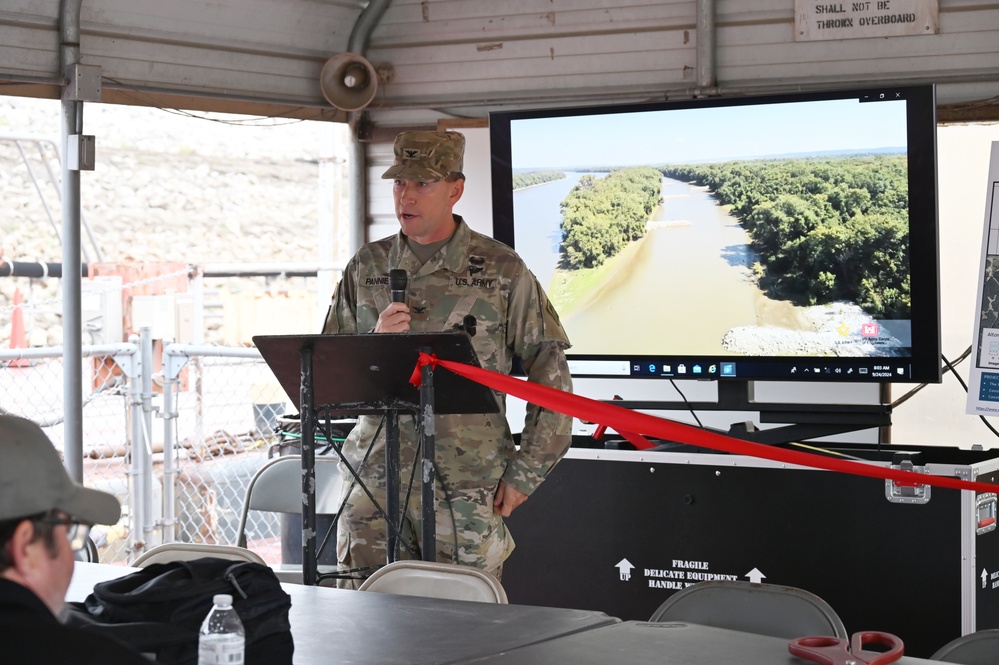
[836, 651]
[862, 640]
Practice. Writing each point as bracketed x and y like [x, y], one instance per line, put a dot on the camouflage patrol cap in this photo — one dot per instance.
[427, 156]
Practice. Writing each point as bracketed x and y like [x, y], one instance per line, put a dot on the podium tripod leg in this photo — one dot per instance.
[309, 563]
[429, 481]
[392, 485]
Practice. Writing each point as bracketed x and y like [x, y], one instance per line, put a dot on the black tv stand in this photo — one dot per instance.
[802, 421]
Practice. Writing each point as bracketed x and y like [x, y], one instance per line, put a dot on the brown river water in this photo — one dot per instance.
[681, 288]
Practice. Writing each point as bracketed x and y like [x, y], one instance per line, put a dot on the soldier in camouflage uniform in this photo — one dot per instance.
[454, 272]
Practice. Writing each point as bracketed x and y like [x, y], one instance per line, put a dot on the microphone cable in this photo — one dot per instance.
[689, 407]
[337, 445]
[798, 444]
[355, 482]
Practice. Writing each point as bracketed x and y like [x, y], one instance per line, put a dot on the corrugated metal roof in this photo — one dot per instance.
[442, 59]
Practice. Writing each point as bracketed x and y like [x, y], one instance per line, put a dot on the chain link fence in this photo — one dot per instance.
[31, 383]
[205, 405]
[222, 406]
[175, 431]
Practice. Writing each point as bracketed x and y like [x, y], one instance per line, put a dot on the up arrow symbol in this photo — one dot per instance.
[985, 577]
[755, 576]
[624, 567]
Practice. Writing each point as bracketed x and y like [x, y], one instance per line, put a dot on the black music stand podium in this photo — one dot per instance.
[369, 374]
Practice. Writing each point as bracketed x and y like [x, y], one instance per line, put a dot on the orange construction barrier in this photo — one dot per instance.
[18, 335]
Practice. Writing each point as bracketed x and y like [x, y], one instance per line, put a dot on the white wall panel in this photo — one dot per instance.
[254, 49]
[462, 58]
[468, 54]
[291, 27]
[466, 57]
[268, 51]
[29, 38]
[471, 21]
[381, 206]
[126, 64]
[29, 52]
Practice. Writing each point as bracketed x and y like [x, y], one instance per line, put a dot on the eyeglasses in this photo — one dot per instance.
[76, 532]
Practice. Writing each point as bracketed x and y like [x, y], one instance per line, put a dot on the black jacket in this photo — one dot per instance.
[30, 634]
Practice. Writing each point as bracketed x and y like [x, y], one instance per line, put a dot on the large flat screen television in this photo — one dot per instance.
[778, 237]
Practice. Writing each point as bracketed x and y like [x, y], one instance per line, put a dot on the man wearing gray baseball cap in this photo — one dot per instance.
[45, 518]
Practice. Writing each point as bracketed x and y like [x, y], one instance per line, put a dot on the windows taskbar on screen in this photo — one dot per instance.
[791, 369]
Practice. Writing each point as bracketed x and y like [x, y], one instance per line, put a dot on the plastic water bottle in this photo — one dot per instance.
[222, 639]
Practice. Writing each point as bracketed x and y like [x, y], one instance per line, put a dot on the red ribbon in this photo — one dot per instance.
[425, 359]
[626, 420]
[636, 440]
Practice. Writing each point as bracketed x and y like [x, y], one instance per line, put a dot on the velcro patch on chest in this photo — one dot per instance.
[485, 283]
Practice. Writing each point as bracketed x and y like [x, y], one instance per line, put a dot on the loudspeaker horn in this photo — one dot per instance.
[348, 81]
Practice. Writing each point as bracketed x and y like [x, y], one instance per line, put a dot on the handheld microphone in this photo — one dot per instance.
[398, 283]
[467, 325]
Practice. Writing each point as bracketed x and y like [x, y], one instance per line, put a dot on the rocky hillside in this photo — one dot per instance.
[167, 187]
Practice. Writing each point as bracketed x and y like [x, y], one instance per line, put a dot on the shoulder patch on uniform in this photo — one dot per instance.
[475, 264]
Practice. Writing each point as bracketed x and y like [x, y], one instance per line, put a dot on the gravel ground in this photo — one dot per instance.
[822, 339]
[167, 187]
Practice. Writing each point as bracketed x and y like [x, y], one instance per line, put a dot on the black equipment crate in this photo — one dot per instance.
[620, 531]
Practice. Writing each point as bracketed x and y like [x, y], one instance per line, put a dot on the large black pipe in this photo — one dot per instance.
[37, 269]
[41, 270]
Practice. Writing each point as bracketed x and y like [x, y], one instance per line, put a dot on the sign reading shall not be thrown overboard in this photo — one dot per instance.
[867, 18]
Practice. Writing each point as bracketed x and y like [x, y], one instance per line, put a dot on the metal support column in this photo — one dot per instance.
[72, 124]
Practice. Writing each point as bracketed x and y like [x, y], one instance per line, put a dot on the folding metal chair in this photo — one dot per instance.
[436, 580]
[277, 488]
[177, 551]
[764, 609]
[978, 648]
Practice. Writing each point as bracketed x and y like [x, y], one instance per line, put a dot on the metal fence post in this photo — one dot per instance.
[204, 480]
[173, 363]
[146, 431]
[137, 450]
